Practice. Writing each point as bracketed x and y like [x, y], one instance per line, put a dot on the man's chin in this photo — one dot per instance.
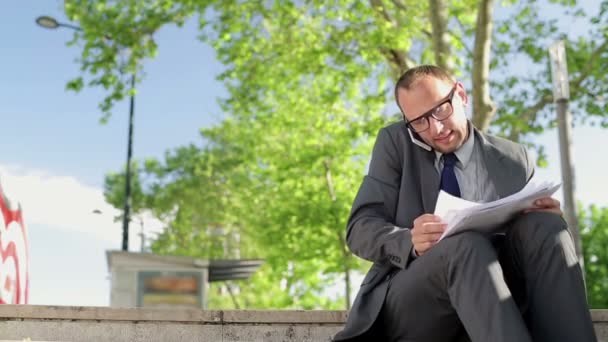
[445, 148]
[450, 146]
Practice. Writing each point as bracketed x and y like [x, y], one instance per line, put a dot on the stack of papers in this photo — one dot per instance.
[461, 215]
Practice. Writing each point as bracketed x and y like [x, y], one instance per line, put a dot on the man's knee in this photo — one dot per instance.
[449, 251]
[537, 233]
[537, 227]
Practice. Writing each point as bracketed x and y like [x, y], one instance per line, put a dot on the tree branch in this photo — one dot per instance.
[589, 66]
[455, 36]
[381, 9]
[439, 36]
[330, 181]
[483, 107]
[399, 5]
[529, 114]
[397, 59]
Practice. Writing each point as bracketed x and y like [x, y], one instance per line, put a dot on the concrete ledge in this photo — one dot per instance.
[65, 323]
[172, 315]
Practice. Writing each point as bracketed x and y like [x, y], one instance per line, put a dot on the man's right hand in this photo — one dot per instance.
[427, 230]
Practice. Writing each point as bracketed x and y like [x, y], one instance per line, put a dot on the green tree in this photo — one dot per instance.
[594, 232]
[358, 41]
[308, 82]
[114, 191]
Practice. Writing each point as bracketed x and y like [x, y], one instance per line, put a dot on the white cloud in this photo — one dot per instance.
[60, 201]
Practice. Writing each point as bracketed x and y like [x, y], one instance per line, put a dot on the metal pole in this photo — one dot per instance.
[565, 145]
[142, 235]
[126, 215]
[561, 94]
[73, 27]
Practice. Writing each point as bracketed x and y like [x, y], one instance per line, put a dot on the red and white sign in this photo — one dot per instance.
[14, 278]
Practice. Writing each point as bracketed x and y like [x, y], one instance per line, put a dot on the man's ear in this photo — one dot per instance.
[462, 93]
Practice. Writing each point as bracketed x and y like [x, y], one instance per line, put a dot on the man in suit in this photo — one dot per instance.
[521, 285]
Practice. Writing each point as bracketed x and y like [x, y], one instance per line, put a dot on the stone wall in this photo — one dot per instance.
[63, 323]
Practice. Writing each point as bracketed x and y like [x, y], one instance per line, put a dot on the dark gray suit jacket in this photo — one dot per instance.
[402, 184]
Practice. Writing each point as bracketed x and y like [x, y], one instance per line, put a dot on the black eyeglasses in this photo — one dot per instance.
[440, 112]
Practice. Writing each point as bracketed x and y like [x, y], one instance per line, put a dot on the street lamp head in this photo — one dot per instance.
[51, 23]
[47, 22]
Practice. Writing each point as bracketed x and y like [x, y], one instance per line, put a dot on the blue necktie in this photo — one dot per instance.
[449, 183]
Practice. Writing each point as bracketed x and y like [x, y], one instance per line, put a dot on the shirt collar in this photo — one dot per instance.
[466, 150]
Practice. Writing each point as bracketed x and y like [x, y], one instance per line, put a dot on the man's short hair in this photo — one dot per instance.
[413, 75]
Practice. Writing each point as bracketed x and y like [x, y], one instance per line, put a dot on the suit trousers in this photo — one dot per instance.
[525, 285]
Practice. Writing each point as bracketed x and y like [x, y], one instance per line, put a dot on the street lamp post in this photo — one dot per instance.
[126, 217]
[561, 96]
[51, 23]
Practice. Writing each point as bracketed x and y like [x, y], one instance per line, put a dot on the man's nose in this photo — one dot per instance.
[436, 126]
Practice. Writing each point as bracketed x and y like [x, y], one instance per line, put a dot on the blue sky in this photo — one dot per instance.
[55, 152]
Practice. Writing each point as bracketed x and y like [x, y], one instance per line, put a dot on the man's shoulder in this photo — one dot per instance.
[394, 132]
[394, 128]
[500, 143]
[506, 148]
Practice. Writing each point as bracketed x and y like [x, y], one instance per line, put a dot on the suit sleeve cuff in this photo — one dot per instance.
[399, 248]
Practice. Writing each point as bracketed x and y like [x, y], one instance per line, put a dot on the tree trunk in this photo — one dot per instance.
[345, 253]
[483, 107]
[235, 302]
[439, 37]
[347, 285]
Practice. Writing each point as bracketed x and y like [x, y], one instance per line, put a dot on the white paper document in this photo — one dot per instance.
[461, 215]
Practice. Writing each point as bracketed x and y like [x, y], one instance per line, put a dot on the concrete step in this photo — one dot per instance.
[65, 323]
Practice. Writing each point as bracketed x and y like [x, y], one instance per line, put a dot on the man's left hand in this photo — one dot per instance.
[546, 204]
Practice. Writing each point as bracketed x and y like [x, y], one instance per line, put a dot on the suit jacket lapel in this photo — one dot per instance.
[429, 180]
[498, 168]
